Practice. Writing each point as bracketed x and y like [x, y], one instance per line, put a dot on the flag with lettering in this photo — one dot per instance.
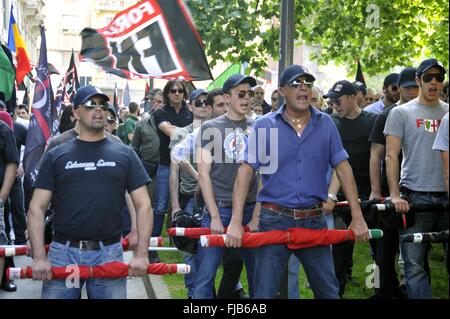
[44, 120]
[153, 38]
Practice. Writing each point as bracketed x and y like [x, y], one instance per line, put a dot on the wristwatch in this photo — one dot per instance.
[333, 197]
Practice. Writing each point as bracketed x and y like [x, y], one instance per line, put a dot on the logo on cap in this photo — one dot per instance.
[338, 88]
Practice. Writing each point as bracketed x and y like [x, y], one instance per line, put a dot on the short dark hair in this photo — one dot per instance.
[169, 86]
[23, 106]
[133, 107]
[211, 95]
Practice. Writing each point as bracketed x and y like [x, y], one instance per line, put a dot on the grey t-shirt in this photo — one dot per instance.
[416, 125]
[226, 140]
[441, 141]
[188, 183]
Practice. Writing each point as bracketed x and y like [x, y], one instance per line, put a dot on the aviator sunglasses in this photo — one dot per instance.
[428, 77]
[90, 105]
[297, 82]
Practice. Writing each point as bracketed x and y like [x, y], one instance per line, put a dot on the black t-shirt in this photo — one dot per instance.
[8, 149]
[377, 136]
[355, 138]
[168, 114]
[89, 180]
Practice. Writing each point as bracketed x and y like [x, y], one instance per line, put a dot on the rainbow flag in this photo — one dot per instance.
[17, 46]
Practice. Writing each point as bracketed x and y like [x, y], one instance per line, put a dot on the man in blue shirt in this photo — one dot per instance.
[301, 143]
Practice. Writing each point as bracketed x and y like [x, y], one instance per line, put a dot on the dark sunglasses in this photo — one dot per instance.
[111, 120]
[428, 77]
[90, 105]
[297, 82]
[241, 94]
[179, 91]
[274, 98]
[199, 103]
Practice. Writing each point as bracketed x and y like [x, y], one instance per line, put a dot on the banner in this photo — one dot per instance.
[44, 120]
[68, 86]
[153, 38]
[17, 46]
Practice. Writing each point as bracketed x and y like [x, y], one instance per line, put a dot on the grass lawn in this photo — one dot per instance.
[361, 259]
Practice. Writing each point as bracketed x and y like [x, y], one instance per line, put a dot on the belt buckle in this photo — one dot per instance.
[297, 214]
[84, 245]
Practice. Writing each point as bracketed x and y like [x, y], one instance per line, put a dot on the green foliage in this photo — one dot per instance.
[381, 33]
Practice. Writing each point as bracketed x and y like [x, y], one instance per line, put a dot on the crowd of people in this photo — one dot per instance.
[230, 159]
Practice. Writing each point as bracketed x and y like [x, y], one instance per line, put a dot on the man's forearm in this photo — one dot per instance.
[131, 210]
[335, 185]
[8, 181]
[36, 229]
[345, 175]
[208, 194]
[393, 171]
[375, 169]
[174, 179]
[240, 191]
[144, 228]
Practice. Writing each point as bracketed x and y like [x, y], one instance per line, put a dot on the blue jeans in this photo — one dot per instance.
[209, 258]
[162, 196]
[63, 255]
[417, 283]
[191, 260]
[294, 266]
[272, 259]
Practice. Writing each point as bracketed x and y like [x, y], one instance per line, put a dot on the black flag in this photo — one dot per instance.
[153, 38]
[68, 86]
[359, 75]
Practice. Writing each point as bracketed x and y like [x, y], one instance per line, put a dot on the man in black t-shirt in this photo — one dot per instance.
[173, 115]
[88, 177]
[355, 126]
[388, 245]
[9, 158]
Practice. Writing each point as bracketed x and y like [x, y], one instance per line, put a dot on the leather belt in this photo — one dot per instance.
[87, 244]
[294, 213]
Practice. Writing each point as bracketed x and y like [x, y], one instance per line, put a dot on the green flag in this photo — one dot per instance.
[8, 76]
[218, 83]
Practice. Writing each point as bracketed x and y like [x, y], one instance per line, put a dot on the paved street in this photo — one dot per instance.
[136, 289]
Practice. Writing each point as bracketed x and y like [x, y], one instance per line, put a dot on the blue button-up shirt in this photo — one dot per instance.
[376, 107]
[294, 169]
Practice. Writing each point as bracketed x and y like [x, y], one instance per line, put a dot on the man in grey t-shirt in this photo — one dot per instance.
[441, 144]
[220, 146]
[411, 128]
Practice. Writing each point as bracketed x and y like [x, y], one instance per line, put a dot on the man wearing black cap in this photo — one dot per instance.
[361, 92]
[411, 129]
[220, 146]
[88, 177]
[388, 244]
[355, 126]
[303, 143]
[391, 95]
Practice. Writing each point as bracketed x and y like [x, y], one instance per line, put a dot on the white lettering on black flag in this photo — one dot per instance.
[153, 38]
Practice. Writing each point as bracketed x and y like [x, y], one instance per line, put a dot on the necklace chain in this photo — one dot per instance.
[298, 122]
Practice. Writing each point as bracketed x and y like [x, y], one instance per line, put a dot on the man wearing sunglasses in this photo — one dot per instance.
[88, 177]
[294, 185]
[411, 128]
[220, 145]
[391, 95]
[388, 245]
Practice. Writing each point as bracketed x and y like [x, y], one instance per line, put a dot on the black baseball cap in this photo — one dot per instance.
[339, 89]
[196, 93]
[391, 79]
[85, 93]
[360, 87]
[428, 64]
[294, 71]
[237, 79]
[407, 77]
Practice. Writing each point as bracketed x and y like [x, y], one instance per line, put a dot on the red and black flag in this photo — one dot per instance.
[68, 86]
[147, 89]
[153, 38]
[44, 120]
[359, 74]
